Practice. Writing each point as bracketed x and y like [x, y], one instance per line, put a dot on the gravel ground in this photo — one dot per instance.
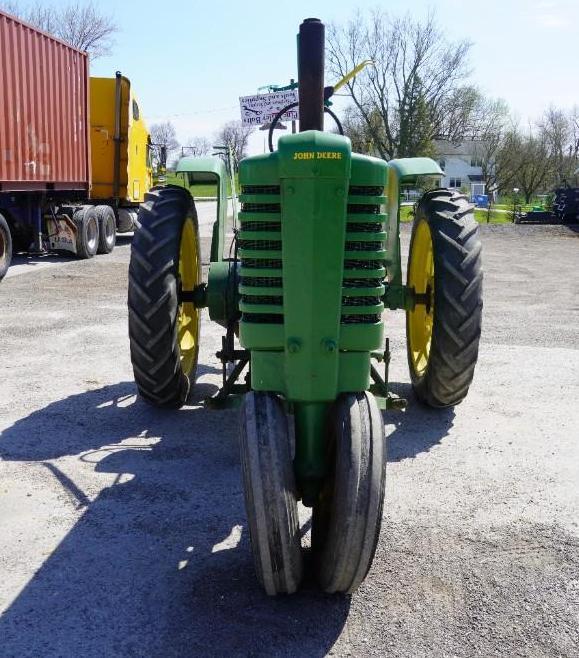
[122, 529]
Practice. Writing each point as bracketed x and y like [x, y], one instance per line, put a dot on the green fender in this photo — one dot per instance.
[210, 170]
[403, 170]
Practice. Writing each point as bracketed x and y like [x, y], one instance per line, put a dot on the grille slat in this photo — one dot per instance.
[362, 283]
[363, 209]
[259, 299]
[260, 282]
[364, 227]
[365, 190]
[273, 227]
[363, 246]
[260, 189]
[260, 245]
[260, 207]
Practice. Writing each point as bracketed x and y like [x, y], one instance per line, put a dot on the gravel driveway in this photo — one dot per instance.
[122, 528]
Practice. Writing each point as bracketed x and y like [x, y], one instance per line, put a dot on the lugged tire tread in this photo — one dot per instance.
[458, 299]
[152, 298]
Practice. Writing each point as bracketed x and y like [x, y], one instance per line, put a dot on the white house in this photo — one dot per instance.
[461, 165]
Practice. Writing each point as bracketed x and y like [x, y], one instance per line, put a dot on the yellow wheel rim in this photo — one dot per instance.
[188, 316]
[421, 278]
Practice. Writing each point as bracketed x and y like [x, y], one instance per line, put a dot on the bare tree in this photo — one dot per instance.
[414, 92]
[197, 147]
[525, 162]
[535, 166]
[164, 143]
[560, 129]
[358, 131]
[82, 25]
[235, 136]
[491, 141]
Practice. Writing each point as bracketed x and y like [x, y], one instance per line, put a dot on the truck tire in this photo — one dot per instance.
[270, 493]
[347, 517]
[5, 247]
[87, 231]
[107, 229]
[163, 331]
[445, 265]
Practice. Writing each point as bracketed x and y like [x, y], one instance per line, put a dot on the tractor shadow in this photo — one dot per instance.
[416, 429]
[158, 561]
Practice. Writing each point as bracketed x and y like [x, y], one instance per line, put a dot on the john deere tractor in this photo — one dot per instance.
[301, 293]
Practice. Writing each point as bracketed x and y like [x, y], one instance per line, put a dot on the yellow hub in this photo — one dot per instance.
[188, 318]
[421, 278]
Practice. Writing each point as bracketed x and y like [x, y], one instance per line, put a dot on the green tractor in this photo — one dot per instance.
[301, 296]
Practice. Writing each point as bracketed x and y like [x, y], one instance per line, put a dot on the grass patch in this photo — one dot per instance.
[525, 207]
[406, 213]
[481, 216]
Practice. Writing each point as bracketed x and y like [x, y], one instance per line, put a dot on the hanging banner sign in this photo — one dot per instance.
[262, 108]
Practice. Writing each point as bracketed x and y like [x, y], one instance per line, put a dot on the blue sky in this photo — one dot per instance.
[191, 62]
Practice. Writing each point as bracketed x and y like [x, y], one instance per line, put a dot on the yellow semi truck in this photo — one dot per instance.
[120, 149]
[79, 173]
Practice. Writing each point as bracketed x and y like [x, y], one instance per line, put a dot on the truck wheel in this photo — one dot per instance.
[270, 493]
[348, 515]
[163, 330]
[444, 265]
[87, 231]
[5, 247]
[107, 229]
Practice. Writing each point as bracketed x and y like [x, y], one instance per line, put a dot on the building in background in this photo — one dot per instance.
[462, 166]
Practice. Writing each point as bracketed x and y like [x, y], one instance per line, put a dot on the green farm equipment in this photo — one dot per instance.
[301, 296]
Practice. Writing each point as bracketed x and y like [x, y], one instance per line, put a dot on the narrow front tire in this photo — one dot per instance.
[270, 493]
[348, 515]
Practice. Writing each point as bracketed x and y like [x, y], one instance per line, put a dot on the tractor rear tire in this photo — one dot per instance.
[270, 493]
[87, 231]
[107, 229]
[163, 331]
[348, 515]
[5, 247]
[445, 263]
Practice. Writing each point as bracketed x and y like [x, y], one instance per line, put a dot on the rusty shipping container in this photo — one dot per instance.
[44, 123]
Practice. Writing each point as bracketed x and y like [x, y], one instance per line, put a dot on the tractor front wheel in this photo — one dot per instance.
[163, 329]
[445, 271]
[348, 515]
[270, 493]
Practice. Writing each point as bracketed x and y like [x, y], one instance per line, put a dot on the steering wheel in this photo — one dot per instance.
[279, 115]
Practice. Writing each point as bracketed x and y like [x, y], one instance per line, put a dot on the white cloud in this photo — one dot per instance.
[548, 14]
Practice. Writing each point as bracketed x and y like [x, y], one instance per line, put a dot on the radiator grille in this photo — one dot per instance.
[363, 261]
[370, 259]
[250, 223]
